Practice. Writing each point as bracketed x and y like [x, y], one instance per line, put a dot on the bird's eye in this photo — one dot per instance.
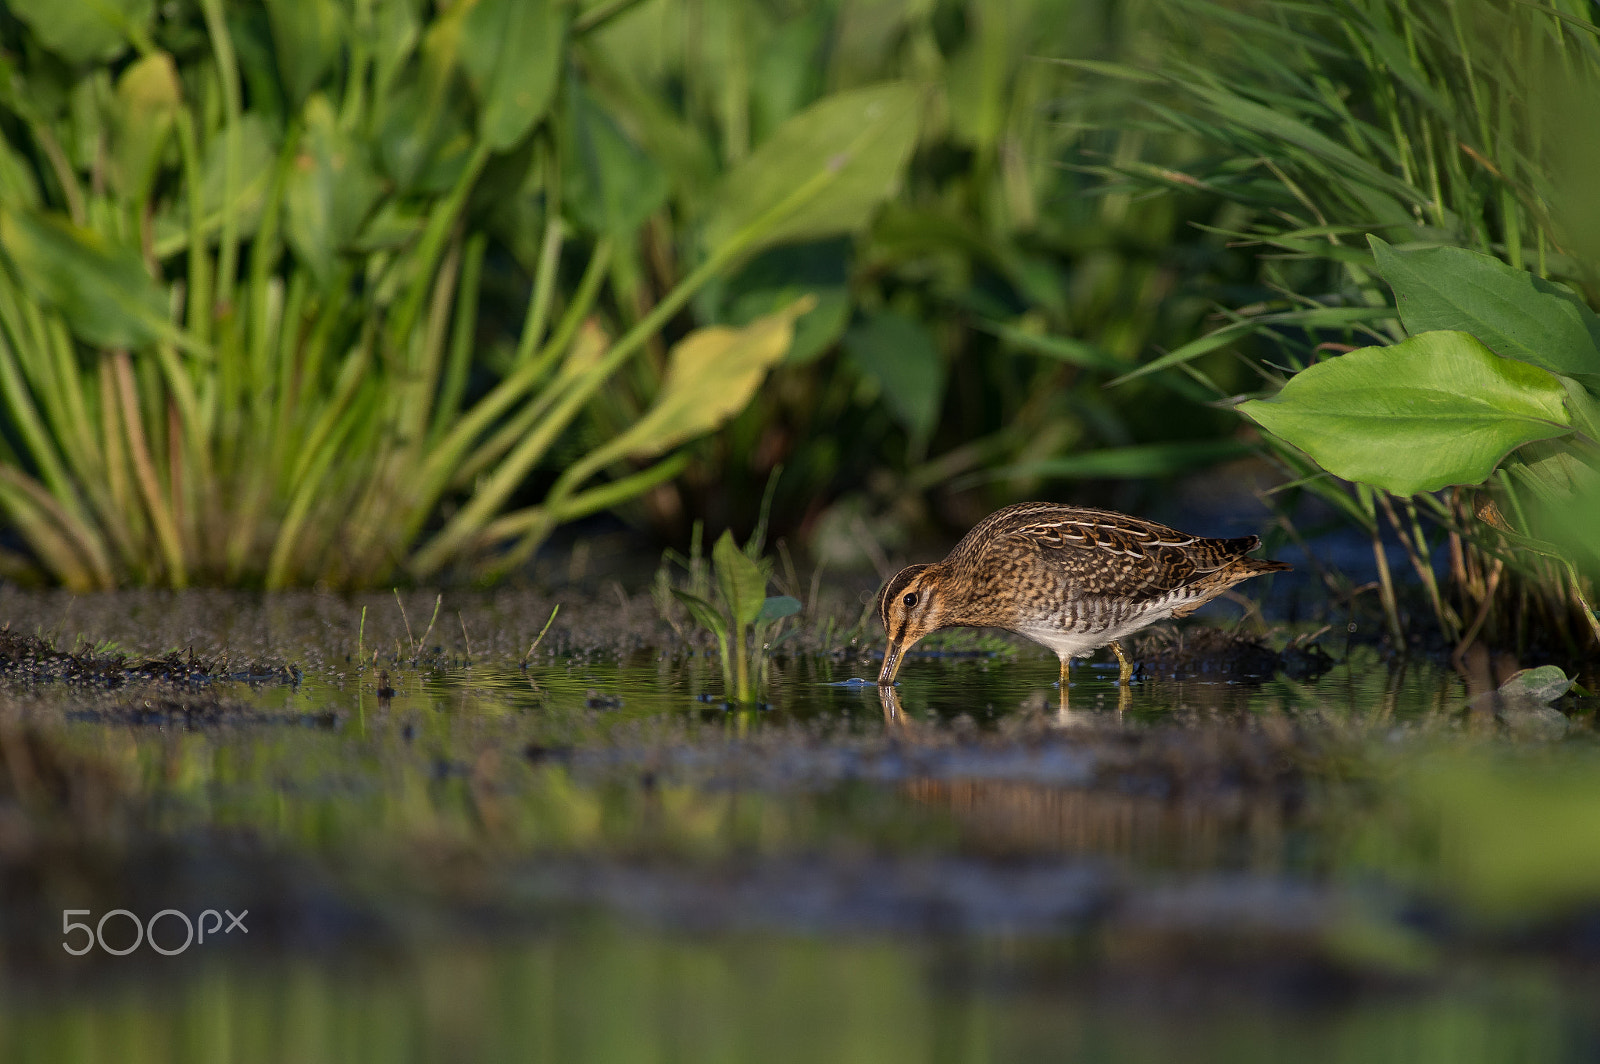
[910, 600]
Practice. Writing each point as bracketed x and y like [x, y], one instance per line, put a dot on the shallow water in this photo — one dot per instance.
[590, 855]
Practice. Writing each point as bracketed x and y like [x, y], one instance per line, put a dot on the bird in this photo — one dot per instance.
[1071, 578]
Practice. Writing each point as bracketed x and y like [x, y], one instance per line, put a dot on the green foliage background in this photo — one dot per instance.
[341, 291]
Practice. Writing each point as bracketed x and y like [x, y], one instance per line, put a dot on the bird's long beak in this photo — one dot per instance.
[891, 663]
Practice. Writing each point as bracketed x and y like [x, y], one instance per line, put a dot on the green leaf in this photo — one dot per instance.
[1192, 350]
[104, 292]
[711, 375]
[777, 607]
[1060, 348]
[18, 188]
[1543, 684]
[704, 614]
[609, 183]
[1513, 312]
[740, 580]
[511, 51]
[898, 353]
[307, 37]
[83, 30]
[148, 98]
[777, 277]
[423, 141]
[848, 150]
[329, 192]
[1434, 410]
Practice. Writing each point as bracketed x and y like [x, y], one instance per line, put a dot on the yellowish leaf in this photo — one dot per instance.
[711, 375]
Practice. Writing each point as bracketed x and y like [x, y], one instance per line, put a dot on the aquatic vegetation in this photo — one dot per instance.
[744, 614]
[1490, 382]
[1440, 129]
[934, 366]
[244, 260]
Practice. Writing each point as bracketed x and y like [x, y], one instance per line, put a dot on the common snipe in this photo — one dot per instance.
[1069, 578]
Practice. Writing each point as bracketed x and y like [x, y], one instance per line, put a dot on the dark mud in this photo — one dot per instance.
[31, 658]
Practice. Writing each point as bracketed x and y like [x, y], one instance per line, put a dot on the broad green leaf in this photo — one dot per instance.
[609, 183]
[105, 293]
[1543, 684]
[308, 38]
[711, 375]
[704, 614]
[778, 607]
[329, 192]
[83, 30]
[1513, 312]
[1435, 410]
[898, 353]
[511, 51]
[148, 98]
[822, 172]
[740, 580]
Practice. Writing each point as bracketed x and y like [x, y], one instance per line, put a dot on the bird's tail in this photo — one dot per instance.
[1248, 567]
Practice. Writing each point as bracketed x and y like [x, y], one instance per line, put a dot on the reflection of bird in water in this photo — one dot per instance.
[1069, 578]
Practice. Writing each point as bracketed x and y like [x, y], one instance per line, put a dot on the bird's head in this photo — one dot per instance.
[910, 606]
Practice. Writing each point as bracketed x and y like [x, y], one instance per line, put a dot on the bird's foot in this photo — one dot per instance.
[1125, 675]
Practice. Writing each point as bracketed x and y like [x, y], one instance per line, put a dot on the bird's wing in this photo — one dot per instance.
[1112, 554]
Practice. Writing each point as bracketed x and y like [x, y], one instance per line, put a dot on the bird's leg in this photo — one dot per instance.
[1064, 660]
[1127, 666]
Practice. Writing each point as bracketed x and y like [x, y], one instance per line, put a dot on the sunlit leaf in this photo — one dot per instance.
[848, 150]
[740, 580]
[105, 293]
[711, 375]
[1513, 312]
[148, 98]
[1435, 410]
[511, 51]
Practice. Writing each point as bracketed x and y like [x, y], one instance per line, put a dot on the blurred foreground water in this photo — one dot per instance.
[455, 850]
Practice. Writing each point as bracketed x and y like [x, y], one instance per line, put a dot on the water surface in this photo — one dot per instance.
[450, 848]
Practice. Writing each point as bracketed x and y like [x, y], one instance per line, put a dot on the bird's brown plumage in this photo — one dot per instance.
[1071, 578]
